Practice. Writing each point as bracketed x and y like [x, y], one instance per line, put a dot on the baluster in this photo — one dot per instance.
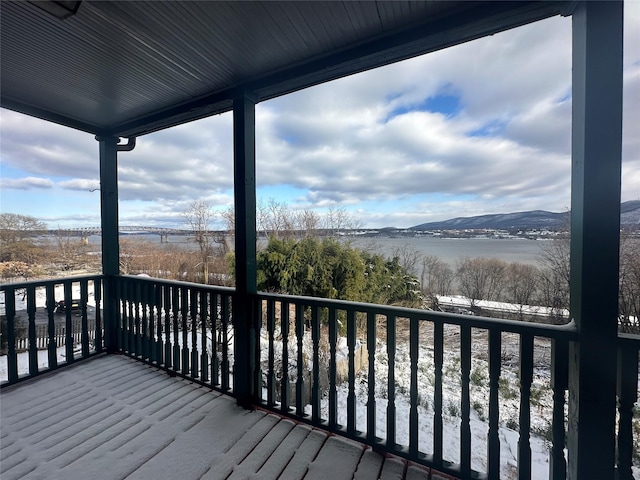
[391, 382]
[493, 440]
[204, 321]
[414, 345]
[33, 347]
[157, 292]
[526, 379]
[285, 390]
[151, 332]
[129, 333]
[627, 397]
[175, 301]
[255, 347]
[168, 347]
[438, 362]
[333, 393]
[51, 326]
[301, 366]
[195, 368]
[184, 313]
[465, 403]
[144, 294]
[559, 384]
[371, 378]
[131, 299]
[68, 322]
[215, 331]
[12, 356]
[84, 329]
[225, 340]
[127, 312]
[351, 396]
[137, 344]
[315, 389]
[120, 314]
[271, 374]
[97, 296]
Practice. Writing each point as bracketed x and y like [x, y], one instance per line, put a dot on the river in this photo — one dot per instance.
[449, 250]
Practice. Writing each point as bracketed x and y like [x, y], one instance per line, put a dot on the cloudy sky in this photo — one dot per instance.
[480, 128]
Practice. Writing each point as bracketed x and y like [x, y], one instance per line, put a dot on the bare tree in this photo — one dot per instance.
[555, 256]
[71, 253]
[553, 282]
[15, 227]
[275, 218]
[629, 297]
[199, 215]
[436, 277]
[521, 285]
[17, 241]
[307, 222]
[481, 278]
[408, 258]
[553, 291]
[337, 220]
[229, 218]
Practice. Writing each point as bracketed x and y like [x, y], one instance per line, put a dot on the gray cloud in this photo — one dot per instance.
[43, 148]
[26, 183]
[80, 184]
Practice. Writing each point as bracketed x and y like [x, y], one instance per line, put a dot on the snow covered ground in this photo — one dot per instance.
[451, 406]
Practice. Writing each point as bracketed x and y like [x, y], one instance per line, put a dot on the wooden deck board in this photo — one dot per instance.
[112, 417]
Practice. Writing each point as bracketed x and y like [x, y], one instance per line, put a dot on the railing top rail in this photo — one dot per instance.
[629, 340]
[36, 283]
[227, 290]
[566, 332]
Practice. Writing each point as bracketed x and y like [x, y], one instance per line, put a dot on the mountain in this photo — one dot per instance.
[630, 214]
[535, 219]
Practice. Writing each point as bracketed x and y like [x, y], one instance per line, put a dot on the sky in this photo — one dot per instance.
[475, 129]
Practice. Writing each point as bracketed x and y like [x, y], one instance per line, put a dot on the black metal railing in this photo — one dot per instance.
[627, 444]
[49, 323]
[184, 328]
[358, 370]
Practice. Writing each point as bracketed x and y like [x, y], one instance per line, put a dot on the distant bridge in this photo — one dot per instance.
[86, 232]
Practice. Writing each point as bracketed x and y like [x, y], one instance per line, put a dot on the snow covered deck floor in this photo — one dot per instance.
[112, 417]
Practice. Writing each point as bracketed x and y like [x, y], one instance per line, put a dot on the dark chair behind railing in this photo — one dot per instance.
[31, 324]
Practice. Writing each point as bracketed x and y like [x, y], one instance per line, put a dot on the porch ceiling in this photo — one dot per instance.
[129, 68]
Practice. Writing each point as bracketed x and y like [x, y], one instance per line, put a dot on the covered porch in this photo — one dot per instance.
[253, 345]
[113, 417]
